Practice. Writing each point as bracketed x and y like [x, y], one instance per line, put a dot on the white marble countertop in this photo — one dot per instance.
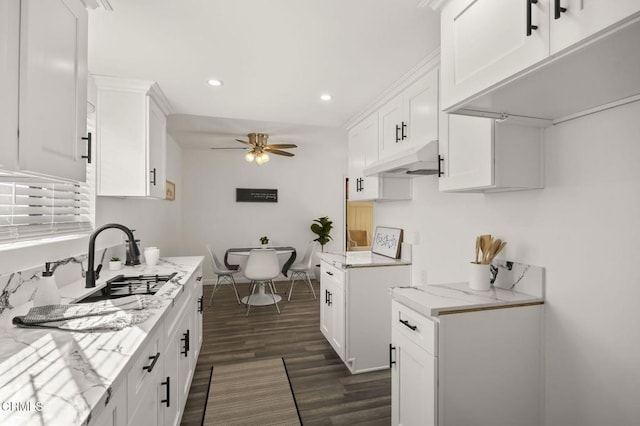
[522, 284]
[359, 259]
[56, 377]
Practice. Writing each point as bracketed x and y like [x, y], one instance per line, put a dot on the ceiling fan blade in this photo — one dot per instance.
[280, 145]
[245, 142]
[278, 152]
[228, 147]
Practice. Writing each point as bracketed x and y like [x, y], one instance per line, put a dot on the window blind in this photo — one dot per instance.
[33, 210]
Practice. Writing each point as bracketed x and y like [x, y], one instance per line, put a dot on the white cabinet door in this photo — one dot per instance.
[467, 153]
[413, 383]
[53, 88]
[486, 41]
[131, 138]
[421, 110]
[583, 18]
[363, 150]
[115, 410]
[336, 304]
[392, 127]
[9, 72]
[157, 150]
[326, 317]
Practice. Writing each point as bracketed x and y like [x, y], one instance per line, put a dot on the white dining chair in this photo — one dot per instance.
[224, 275]
[300, 270]
[261, 269]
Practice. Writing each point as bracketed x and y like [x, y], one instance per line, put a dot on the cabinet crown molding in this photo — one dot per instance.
[142, 86]
[421, 68]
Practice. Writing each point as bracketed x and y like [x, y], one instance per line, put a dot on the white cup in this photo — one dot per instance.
[479, 276]
[151, 256]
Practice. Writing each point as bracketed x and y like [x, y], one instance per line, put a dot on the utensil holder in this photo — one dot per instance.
[479, 276]
[151, 256]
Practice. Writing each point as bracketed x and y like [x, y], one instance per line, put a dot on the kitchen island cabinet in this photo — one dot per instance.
[355, 306]
[461, 357]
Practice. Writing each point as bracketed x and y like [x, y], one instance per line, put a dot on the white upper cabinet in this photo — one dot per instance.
[486, 41]
[547, 60]
[132, 132]
[411, 117]
[575, 20]
[483, 155]
[51, 76]
[363, 150]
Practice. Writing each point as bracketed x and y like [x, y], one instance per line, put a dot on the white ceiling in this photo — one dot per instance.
[275, 56]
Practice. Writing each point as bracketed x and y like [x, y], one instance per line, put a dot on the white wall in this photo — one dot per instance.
[584, 228]
[309, 185]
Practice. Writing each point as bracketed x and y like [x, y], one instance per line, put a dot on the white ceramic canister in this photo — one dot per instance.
[479, 276]
[151, 255]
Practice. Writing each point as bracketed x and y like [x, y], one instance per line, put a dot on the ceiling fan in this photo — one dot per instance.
[259, 149]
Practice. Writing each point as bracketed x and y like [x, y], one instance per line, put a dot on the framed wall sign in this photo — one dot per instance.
[256, 195]
[170, 191]
[386, 241]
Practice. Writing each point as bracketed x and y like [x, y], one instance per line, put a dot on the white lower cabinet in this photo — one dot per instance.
[157, 384]
[354, 312]
[484, 155]
[472, 368]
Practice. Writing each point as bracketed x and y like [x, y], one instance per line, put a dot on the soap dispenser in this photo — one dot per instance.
[47, 293]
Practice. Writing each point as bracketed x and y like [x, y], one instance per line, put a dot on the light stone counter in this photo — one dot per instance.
[521, 285]
[359, 259]
[55, 377]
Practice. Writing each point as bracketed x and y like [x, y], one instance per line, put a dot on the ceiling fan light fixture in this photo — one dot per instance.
[250, 156]
[264, 156]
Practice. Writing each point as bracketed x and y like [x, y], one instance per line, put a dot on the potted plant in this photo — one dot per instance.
[115, 264]
[322, 228]
[264, 240]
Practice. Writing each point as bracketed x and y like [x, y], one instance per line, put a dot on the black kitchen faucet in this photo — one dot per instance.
[133, 253]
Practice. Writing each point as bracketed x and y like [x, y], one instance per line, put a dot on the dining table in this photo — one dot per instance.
[260, 298]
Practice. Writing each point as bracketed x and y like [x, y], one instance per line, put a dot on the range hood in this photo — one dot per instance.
[419, 160]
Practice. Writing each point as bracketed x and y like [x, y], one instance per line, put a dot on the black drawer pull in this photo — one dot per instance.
[168, 385]
[440, 170]
[391, 349]
[557, 9]
[200, 304]
[404, 135]
[199, 279]
[530, 26]
[185, 340]
[329, 273]
[88, 156]
[406, 323]
[397, 131]
[149, 367]
[153, 172]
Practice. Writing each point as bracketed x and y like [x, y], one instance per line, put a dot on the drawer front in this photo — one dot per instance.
[334, 274]
[416, 327]
[144, 373]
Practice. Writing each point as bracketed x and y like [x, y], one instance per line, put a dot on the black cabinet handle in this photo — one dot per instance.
[153, 172]
[185, 339]
[557, 9]
[391, 349]
[88, 156]
[440, 161]
[329, 273]
[168, 385]
[406, 323]
[200, 304]
[199, 279]
[149, 367]
[530, 27]
[361, 184]
[404, 126]
[397, 131]
[330, 298]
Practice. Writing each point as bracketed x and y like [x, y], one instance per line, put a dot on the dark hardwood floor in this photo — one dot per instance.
[325, 391]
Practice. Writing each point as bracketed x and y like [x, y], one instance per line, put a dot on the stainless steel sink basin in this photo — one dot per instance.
[121, 286]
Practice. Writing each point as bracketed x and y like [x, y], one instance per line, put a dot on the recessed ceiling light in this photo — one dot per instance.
[325, 97]
[214, 82]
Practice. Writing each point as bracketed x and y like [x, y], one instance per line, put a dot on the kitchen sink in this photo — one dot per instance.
[121, 286]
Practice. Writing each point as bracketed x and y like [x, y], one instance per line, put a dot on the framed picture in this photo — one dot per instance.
[170, 193]
[387, 241]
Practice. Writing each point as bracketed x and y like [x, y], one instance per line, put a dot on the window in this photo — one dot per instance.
[35, 210]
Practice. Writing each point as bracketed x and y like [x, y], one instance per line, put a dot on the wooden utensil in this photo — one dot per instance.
[477, 248]
[497, 246]
[485, 245]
